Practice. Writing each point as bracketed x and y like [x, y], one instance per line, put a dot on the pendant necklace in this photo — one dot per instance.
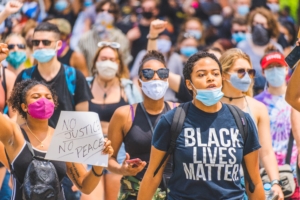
[42, 145]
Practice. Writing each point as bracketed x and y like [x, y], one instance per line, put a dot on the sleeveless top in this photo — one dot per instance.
[139, 137]
[106, 111]
[21, 163]
[66, 58]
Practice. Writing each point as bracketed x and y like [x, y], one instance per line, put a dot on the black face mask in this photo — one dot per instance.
[260, 35]
[147, 15]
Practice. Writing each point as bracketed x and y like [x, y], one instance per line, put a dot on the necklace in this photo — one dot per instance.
[105, 89]
[231, 98]
[42, 145]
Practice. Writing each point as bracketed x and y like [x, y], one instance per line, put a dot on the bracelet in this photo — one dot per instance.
[275, 182]
[97, 175]
[149, 38]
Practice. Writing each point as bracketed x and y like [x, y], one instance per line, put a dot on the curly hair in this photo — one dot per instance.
[18, 95]
[189, 66]
[152, 55]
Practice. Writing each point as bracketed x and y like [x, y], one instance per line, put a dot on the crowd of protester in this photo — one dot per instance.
[141, 65]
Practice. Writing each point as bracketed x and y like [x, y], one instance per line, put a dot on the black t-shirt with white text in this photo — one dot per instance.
[59, 84]
[208, 154]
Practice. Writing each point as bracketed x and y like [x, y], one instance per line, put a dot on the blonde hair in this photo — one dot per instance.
[228, 59]
[14, 35]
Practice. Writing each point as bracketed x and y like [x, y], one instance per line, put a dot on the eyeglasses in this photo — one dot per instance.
[109, 11]
[114, 45]
[45, 42]
[162, 73]
[242, 72]
[12, 46]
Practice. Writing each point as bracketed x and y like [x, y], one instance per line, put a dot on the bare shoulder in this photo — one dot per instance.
[257, 106]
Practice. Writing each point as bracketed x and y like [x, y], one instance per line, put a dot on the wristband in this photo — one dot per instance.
[149, 38]
[275, 182]
[97, 175]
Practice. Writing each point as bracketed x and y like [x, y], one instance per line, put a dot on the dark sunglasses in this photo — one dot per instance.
[109, 11]
[12, 46]
[239, 31]
[149, 73]
[242, 72]
[45, 42]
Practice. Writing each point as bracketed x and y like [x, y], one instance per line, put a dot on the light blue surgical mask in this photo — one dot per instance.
[275, 76]
[243, 10]
[16, 58]
[88, 3]
[44, 55]
[61, 5]
[188, 51]
[164, 45]
[242, 84]
[238, 37]
[209, 97]
[195, 33]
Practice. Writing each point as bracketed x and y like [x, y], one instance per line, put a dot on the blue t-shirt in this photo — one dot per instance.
[208, 154]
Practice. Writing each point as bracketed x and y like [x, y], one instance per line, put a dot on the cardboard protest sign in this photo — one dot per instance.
[78, 138]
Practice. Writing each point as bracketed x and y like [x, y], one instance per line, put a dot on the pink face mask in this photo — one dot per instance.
[41, 109]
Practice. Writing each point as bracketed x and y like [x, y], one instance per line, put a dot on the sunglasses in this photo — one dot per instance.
[109, 11]
[114, 45]
[239, 31]
[188, 35]
[149, 73]
[242, 72]
[12, 46]
[45, 42]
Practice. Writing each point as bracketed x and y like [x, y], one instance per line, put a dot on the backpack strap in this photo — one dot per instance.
[27, 74]
[242, 125]
[176, 128]
[70, 75]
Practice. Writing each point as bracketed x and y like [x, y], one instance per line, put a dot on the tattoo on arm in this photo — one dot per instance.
[75, 175]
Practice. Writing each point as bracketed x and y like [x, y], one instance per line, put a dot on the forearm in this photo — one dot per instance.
[295, 117]
[293, 93]
[174, 82]
[152, 44]
[114, 166]
[148, 186]
[85, 182]
[3, 16]
[268, 159]
[258, 193]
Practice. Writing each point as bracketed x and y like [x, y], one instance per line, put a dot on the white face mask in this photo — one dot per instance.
[155, 89]
[107, 69]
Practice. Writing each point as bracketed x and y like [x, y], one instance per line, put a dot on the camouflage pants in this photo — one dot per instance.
[130, 187]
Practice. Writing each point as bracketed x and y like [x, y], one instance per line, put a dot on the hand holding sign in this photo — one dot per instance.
[78, 138]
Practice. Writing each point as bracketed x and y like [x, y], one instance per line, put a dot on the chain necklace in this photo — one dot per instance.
[42, 145]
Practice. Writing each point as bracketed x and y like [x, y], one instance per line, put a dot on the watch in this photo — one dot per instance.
[275, 182]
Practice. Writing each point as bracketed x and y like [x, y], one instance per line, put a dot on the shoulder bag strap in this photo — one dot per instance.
[290, 148]
[241, 123]
[176, 128]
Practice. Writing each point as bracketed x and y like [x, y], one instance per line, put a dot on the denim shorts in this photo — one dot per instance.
[5, 191]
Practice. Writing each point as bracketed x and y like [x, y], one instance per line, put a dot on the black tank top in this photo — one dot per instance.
[138, 139]
[66, 58]
[21, 163]
[106, 111]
